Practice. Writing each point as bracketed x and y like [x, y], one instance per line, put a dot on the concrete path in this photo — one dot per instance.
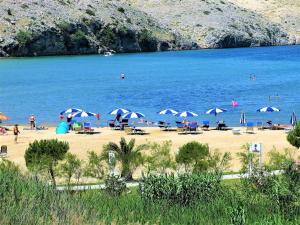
[135, 184]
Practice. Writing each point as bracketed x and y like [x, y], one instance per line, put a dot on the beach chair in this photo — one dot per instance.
[205, 125]
[193, 129]
[180, 127]
[87, 127]
[259, 126]
[249, 128]
[123, 124]
[3, 151]
[134, 131]
[236, 131]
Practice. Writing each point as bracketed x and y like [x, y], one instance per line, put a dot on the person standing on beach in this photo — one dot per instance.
[32, 121]
[69, 119]
[16, 133]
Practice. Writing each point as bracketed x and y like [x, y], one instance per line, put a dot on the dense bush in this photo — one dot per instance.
[183, 189]
[147, 41]
[24, 37]
[79, 39]
[114, 185]
[294, 136]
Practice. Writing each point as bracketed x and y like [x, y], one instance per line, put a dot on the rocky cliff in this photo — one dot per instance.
[58, 27]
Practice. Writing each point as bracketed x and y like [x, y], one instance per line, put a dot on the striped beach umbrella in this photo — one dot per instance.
[168, 112]
[186, 114]
[293, 120]
[3, 117]
[243, 120]
[84, 114]
[133, 115]
[268, 109]
[215, 111]
[71, 110]
[119, 111]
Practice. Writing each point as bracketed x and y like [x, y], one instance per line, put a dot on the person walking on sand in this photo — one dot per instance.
[16, 133]
[32, 121]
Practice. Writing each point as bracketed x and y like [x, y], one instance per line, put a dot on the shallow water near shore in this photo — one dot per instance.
[186, 80]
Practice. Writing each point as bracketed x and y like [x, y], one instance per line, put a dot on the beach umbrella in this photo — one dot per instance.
[186, 114]
[215, 111]
[168, 112]
[2, 118]
[71, 110]
[133, 115]
[84, 114]
[243, 119]
[119, 111]
[293, 120]
[268, 109]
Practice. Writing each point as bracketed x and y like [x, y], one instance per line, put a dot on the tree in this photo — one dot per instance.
[127, 154]
[70, 167]
[294, 136]
[218, 162]
[248, 159]
[160, 158]
[44, 155]
[24, 37]
[194, 154]
[94, 167]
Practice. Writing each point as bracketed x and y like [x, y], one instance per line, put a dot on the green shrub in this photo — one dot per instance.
[114, 185]
[90, 12]
[107, 36]
[24, 37]
[147, 42]
[121, 9]
[70, 167]
[65, 26]
[79, 39]
[294, 136]
[206, 12]
[184, 189]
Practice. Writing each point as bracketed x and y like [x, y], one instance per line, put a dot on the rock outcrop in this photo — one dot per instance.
[60, 27]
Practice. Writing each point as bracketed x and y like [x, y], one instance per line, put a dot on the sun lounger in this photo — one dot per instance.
[3, 151]
[205, 125]
[134, 131]
[259, 126]
[249, 128]
[236, 131]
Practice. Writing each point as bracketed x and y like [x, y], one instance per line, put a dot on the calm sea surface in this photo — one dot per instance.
[187, 80]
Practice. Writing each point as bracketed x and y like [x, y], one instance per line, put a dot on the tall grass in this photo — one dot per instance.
[26, 201]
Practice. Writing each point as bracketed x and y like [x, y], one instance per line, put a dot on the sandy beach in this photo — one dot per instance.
[80, 144]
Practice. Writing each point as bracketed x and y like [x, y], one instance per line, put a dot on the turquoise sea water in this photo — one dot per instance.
[186, 80]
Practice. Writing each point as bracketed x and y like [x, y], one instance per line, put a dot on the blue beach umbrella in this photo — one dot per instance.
[243, 120]
[119, 111]
[84, 114]
[168, 112]
[186, 114]
[293, 120]
[268, 109]
[133, 115]
[71, 110]
[215, 111]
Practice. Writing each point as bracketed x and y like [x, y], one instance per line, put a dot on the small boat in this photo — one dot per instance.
[108, 54]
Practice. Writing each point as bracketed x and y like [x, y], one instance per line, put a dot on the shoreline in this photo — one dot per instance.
[141, 52]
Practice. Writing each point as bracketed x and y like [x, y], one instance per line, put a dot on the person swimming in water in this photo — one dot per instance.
[122, 76]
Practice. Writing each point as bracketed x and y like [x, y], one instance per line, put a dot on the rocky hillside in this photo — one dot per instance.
[56, 27]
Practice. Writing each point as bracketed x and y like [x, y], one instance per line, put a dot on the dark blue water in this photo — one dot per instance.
[187, 80]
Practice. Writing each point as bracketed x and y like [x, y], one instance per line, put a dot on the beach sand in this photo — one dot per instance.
[80, 144]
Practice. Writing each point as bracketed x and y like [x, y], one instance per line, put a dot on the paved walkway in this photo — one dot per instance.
[135, 184]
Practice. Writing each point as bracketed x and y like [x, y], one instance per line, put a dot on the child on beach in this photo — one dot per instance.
[16, 133]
